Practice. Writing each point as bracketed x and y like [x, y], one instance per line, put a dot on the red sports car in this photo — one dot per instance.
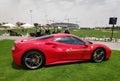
[36, 52]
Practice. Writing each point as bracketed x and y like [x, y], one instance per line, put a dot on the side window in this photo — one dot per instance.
[77, 41]
[69, 40]
[63, 40]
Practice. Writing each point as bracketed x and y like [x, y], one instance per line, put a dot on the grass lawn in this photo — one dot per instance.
[83, 71]
[95, 33]
[78, 32]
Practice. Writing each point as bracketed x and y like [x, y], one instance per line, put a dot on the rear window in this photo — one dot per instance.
[43, 37]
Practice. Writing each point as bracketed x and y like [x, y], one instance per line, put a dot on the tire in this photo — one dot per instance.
[33, 60]
[98, 55]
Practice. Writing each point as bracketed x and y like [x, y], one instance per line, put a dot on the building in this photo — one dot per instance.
[66, 25]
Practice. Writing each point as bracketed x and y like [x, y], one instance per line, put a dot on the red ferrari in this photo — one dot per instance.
[36, 52]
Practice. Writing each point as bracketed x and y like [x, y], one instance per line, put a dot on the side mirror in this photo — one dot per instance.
[90, 42]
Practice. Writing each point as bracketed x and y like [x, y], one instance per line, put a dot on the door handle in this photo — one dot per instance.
[52, 45]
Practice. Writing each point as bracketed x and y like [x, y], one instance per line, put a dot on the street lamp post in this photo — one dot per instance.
[31, 16]
[112, 32]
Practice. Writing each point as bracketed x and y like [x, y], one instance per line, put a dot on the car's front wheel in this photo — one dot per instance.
[98, 55]
[33, 60]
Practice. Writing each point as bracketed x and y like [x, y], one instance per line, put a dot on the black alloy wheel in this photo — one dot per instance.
[98, 55]
[33, 60]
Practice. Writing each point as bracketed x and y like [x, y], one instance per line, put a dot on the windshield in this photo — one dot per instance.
[89, 42]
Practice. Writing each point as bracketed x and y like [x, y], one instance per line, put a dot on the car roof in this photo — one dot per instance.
[52, 35]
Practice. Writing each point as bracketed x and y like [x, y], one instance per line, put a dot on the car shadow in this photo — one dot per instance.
[65, 64]
[14, 66]
[71, 63]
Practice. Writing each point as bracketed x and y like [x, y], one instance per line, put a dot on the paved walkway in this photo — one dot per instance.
[112, 45]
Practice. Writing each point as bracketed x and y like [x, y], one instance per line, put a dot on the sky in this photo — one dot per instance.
[86, 13]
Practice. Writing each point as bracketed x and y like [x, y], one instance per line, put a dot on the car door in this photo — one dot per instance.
[72, 48]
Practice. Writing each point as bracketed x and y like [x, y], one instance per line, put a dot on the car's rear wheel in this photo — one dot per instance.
[98, 55]
[33, 60]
